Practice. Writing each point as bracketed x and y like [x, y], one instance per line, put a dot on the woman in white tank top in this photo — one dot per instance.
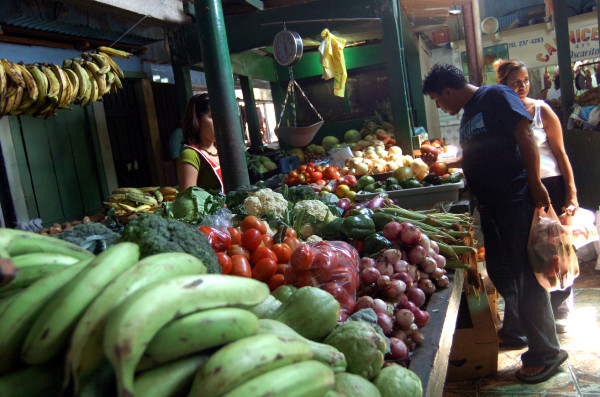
[555, 169]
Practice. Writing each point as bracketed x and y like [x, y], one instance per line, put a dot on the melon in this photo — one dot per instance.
[329, 141]
[352, 136]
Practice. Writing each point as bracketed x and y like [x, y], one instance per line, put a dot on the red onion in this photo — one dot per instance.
[400, 334]
[411, 306]
[426, 285]
[405, 277]
[343, 203]
[436, 274]
[385, 322]
[383, 282]
[435, 246]
[424, 242]
[416, 295]
[400, 266]
[416, 255]
[401, 301]
[423, 275]
[414, 272]
[365, 261]
[410, 234]
[443, 282]
[394, 289]
[364, 302]
[369, 275]
[384, 267]
[404, 317]
[440, 260]
[392, 230]
[392, 255]
[428, 265]
[398, 349]
[421, 318]
[412, 329]
[418, 337]
[379, 306]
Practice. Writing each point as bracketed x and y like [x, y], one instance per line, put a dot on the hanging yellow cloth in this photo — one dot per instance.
[332, 60]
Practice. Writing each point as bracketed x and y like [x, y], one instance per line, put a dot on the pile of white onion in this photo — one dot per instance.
[397, 285]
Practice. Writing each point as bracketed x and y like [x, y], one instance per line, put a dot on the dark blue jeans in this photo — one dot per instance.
[527, 303]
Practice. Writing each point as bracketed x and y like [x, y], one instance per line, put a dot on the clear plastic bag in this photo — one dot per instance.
[551, 252]
[221, 219]
[334, 269]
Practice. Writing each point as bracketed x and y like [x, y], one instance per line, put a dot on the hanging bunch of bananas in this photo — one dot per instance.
[42, 89]
[132, 200]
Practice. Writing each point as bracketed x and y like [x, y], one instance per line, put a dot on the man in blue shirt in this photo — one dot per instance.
[500, 161]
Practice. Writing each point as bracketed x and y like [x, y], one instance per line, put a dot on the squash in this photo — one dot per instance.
[311, 312]
[354, 385]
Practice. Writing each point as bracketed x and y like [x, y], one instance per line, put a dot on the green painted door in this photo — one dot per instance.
[58, 165]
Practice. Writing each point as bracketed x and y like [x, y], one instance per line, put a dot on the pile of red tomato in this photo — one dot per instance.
[311, 173]
[250, 252]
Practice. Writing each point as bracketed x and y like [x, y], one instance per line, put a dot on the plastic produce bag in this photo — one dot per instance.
[551, 252]
[333, 268]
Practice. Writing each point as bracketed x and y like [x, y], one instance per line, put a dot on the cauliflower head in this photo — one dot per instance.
[266, 200]
[316, 208]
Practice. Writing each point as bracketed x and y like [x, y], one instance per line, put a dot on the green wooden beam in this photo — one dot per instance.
[256, 3]
[253, 65]
[257, 29]
[251, 113]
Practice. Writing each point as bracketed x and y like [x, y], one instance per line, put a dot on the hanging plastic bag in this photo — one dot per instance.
[551, 253]
[333, 62]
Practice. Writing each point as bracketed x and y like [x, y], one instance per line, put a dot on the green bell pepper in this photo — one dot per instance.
[333, 230]
[358, 226]
[381, 219]
[374, 243]
[361, 211]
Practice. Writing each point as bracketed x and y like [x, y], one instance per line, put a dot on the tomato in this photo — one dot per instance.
[290, 232]
[236, 235]
[292, 242]
[341, 295]
[283, 268]
[267, 240]
[276, 281]
[292, 174]
[264, 269]
[251, 239]
[225, 262]
[252, 222]
[219, 240]
[321, 182]
[316, 175]
[439, 168]
[350, 180]
[261, 253]
[320, 168]
[310, 169]
[240, 266]
[323, 266]
[302, 257]
[331, 173]
[236, 249]
[301, 178]
[347, 278]
[303, 279]
[403, 172]
[342, 190]
[301, 168]
[291, 181]
[283, 253]
[310, 164]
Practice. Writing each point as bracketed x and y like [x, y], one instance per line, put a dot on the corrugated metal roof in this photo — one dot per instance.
[44, 25]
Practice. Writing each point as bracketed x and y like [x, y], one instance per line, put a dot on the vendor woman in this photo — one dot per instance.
[198, 163]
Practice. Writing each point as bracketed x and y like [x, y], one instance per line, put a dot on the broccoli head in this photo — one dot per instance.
[155, 234]
[93, 236]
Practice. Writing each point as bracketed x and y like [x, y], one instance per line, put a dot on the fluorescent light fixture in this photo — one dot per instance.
[454, 11]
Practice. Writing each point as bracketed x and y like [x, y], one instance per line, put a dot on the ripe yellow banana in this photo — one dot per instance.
[63, 82]
[74, 80]
[85, 349]
[41, 82]
[103, 65]
[51, 330]
[94, 88]
[133, 324]
[13, 72]
[84, 82]
[3, 81]
[30, 83]
[53, 85]
[114, 52]
[113, 65]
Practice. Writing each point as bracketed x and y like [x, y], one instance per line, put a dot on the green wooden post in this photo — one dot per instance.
[394, 59]
[181, 70]
[251, 114]
[219, 80]
[561, 28]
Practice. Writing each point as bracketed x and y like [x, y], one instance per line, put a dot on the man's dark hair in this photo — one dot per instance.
[443, 76]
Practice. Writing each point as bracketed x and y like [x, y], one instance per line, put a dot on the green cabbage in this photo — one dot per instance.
[397, 381]
[189, 206]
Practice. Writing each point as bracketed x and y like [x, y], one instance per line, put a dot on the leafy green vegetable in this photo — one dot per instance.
[300, 193]
[369, 316]
[189, 206]
[155, 235]
[94, 237]
[397, 381]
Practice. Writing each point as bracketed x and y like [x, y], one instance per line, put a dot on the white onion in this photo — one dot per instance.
[414, 272]
[418, 337]
[392, 230]
[383, 282]
[394, 289]
[392, 255]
